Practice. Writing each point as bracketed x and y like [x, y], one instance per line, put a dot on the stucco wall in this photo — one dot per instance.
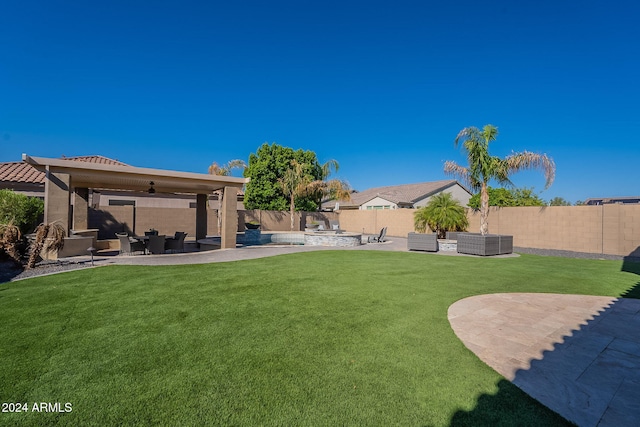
[608, 229]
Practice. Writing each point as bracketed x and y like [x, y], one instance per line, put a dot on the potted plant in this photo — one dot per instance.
[252, 225]
[442, 214]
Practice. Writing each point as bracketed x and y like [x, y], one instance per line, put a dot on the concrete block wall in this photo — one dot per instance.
[281, 220]
[608, 229]
[399, 222]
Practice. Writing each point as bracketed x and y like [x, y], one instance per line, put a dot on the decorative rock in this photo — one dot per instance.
[447, 245]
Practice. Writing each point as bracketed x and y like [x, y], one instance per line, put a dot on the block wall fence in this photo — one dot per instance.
[603, 229]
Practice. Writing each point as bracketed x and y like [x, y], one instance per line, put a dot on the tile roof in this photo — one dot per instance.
[25, 173]
[398, 194]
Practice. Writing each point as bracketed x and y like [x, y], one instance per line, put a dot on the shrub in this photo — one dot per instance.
[442, 214]
[23, 211]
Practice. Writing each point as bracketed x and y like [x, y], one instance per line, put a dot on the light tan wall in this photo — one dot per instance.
[609, 229]
[281, 220]
[137, 220]
[399, 222]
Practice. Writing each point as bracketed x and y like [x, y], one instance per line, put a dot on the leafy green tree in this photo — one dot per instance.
[22, 211]
[443, 213]
[508, 197]
[497, 197]
[484, 167]
[559, 201]
[526, 197]
[267, 166]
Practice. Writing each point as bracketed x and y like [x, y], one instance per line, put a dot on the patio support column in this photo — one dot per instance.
[80, 209]
[57, 200]
[229, 211]
[201, 216]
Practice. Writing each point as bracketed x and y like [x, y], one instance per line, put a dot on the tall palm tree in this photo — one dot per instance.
[224, 170]
[295, 183]
[484, 167]
[334, 189]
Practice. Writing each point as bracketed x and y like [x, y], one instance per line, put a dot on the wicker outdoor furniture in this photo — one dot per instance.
[422, 242]
[489, 244]
[129, 245]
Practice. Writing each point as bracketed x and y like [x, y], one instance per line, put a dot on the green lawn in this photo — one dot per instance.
[322, 338]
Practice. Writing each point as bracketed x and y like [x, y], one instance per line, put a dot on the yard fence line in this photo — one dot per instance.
[612, 229]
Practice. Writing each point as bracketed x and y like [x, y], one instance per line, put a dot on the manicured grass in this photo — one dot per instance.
[323, 338]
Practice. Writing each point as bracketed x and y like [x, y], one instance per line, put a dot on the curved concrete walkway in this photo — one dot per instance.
[249, 252]
[578, 355]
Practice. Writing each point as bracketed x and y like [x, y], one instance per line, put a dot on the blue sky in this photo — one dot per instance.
[382, 87]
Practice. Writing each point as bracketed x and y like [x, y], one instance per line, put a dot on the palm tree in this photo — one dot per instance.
[333, 189]
[9, 237]
[48, 237]
[224, 170]
[295, 183]
[484, 167]
[443, 213]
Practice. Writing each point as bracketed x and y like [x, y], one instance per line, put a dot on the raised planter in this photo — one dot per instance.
[489, 244]
[422, 242]
[453, 235]
[332, 239]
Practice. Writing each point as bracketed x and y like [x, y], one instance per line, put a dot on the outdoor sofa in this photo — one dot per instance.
[422, 242]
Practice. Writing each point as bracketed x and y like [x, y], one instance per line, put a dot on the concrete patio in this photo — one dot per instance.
[578, 355]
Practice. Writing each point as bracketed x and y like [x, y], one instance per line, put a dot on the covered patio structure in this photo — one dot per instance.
[71, 180]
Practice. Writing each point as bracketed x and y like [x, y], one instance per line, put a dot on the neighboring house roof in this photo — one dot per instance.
[610, 200]
[21, 172]
[401, 195]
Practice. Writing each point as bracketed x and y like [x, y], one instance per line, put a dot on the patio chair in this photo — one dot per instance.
[129, 245]
[156, 244]
[334, 225]
[176, 243]
[380, 238]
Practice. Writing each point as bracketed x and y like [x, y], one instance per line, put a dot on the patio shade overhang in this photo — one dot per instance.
[114, 177]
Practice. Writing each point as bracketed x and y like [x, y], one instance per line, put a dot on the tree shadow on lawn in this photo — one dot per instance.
[590, 377]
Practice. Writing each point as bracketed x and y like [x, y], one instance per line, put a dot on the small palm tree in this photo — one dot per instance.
[295, 183]
[443, 213]
[9, 237]
[225, 170]
[48, 237]
[484, 167]
[332, 189]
